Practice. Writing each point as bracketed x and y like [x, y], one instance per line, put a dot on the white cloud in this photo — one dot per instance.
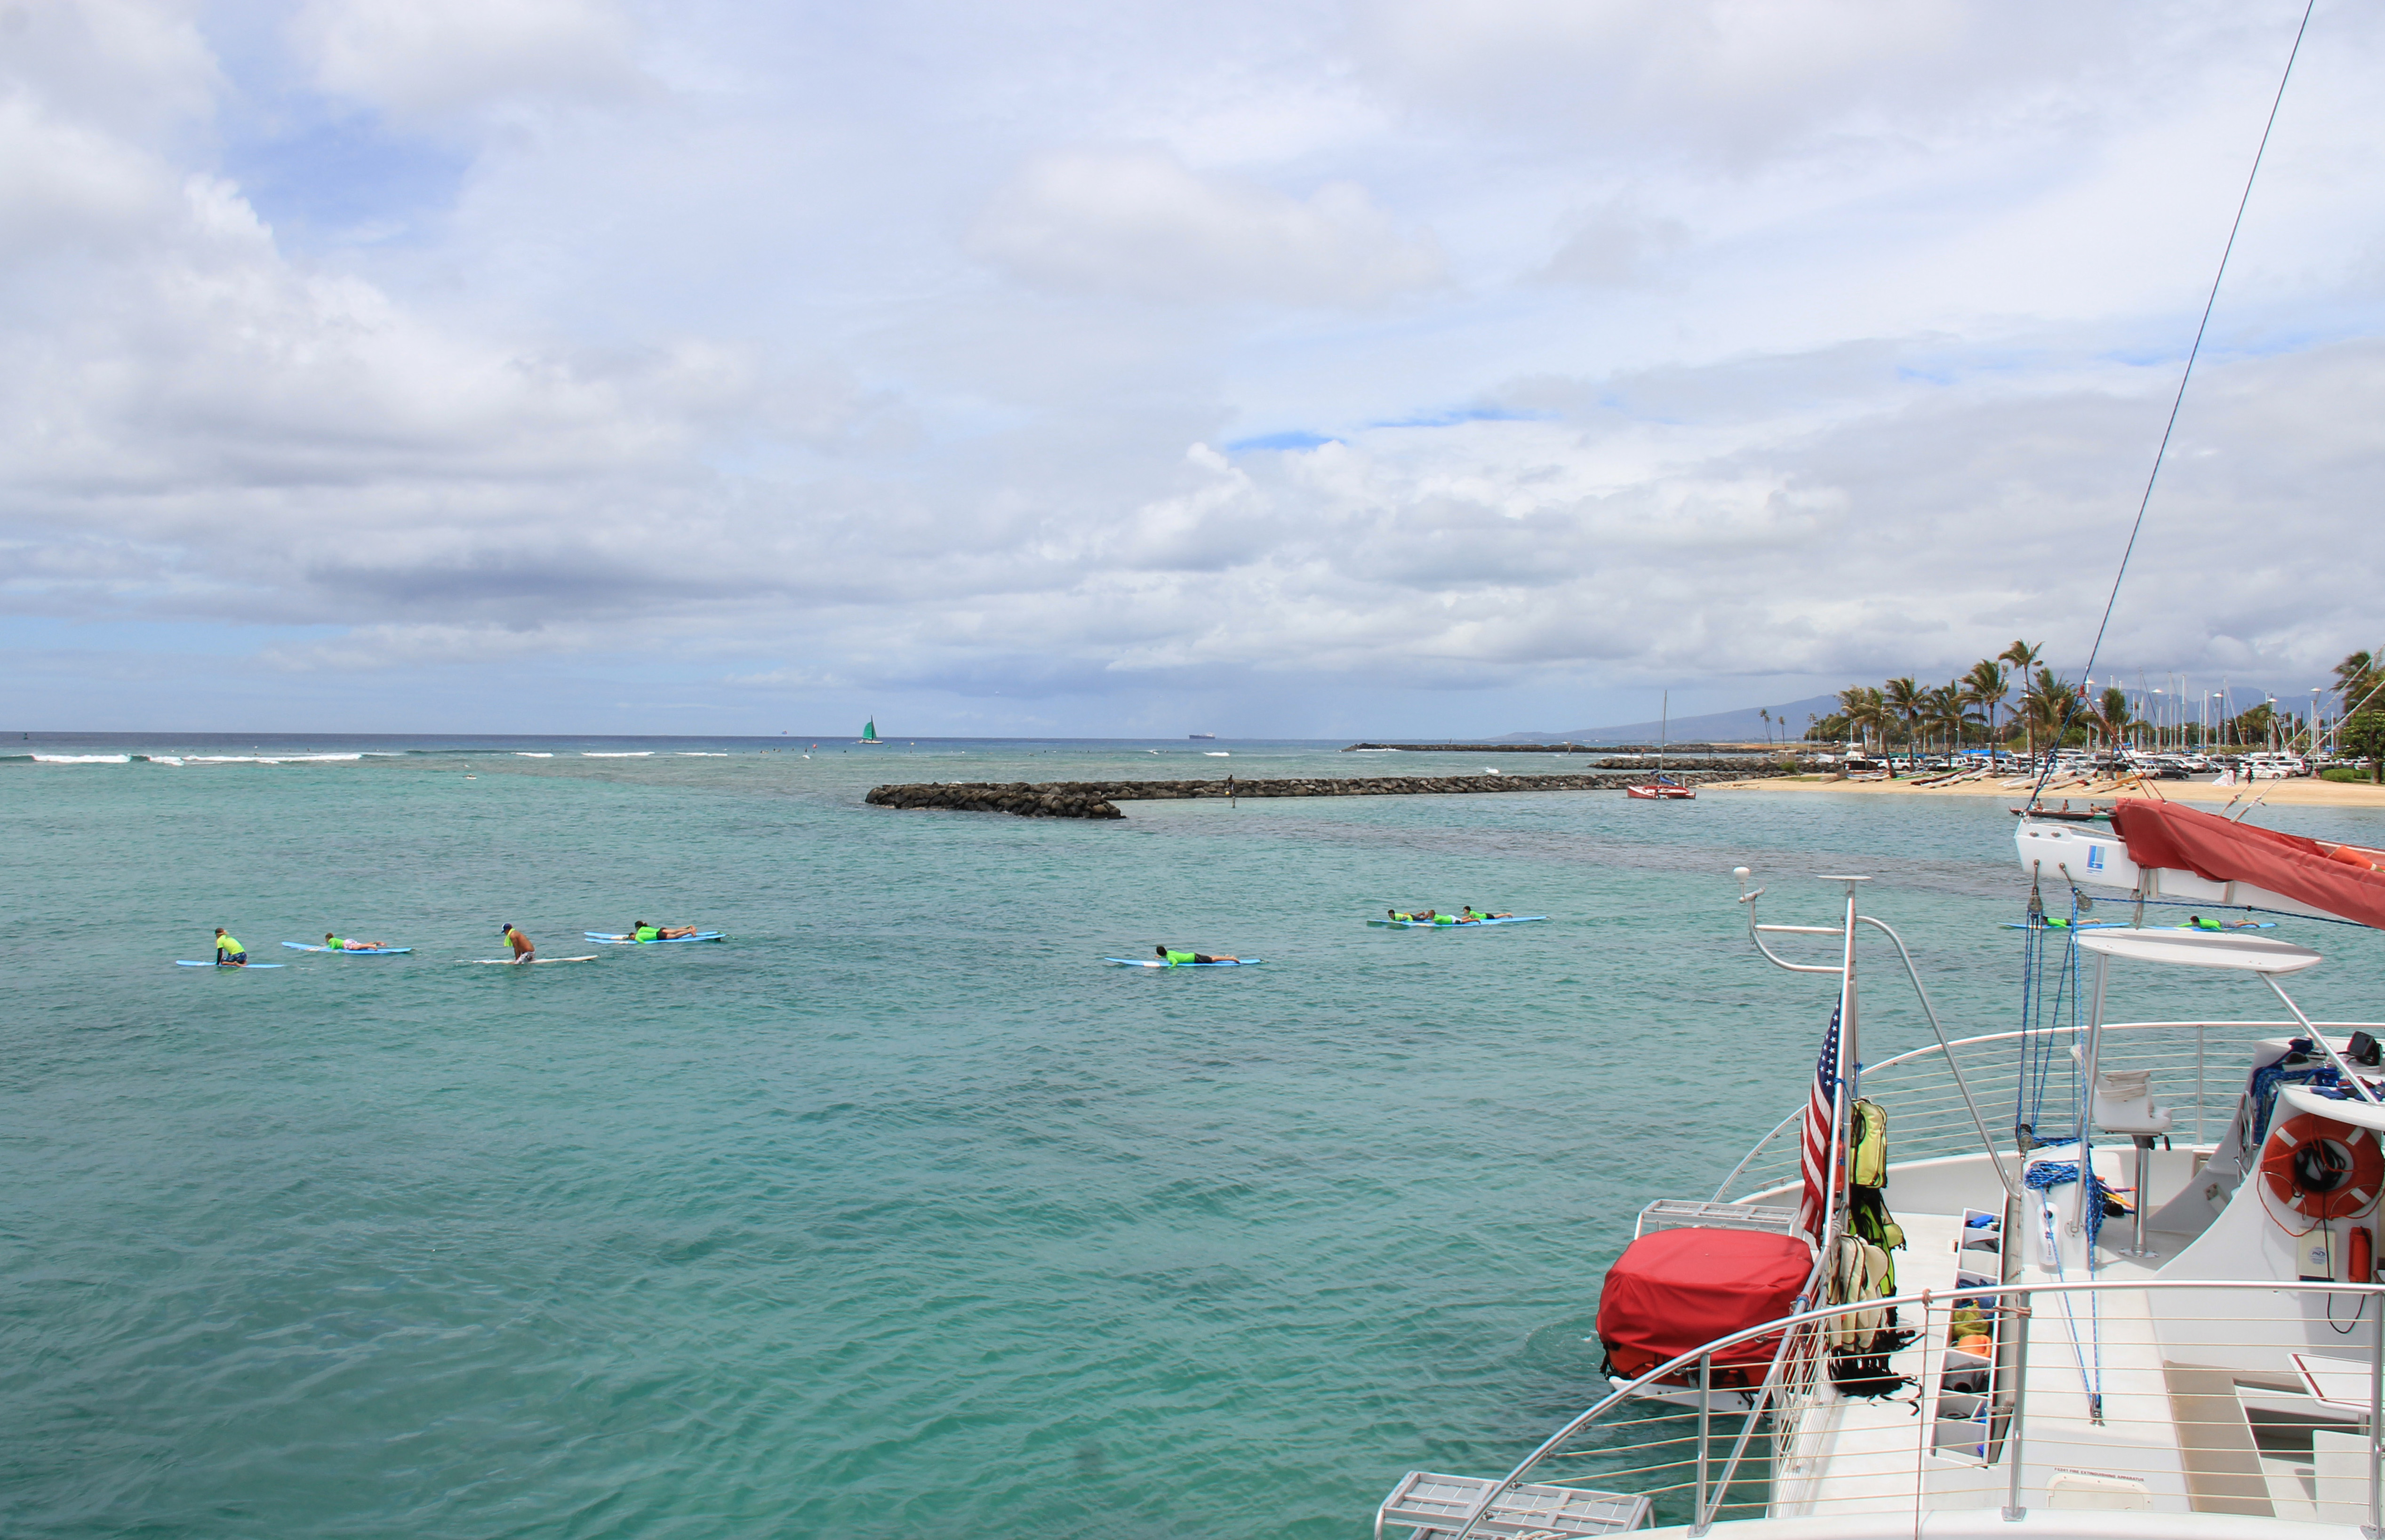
[424, 60]
[1140, 222]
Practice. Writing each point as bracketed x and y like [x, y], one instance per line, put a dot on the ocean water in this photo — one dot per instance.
[898, 1214]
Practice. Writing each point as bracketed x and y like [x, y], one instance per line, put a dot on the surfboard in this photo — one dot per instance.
[228, 966]
[350, 952]
[618, 940]
[509, 963]
[1155, 962]
[1462, 925]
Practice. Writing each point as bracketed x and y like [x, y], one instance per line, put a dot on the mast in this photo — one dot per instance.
[1663, 725]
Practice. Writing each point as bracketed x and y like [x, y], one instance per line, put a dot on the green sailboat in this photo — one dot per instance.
[869, 731]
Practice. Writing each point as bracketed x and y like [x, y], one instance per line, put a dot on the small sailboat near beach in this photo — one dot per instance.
[870, 733]
[1660, 788]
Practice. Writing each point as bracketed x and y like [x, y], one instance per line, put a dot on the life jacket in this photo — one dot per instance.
[1863, 1271]
[1867, 1145]
[1869, 1221]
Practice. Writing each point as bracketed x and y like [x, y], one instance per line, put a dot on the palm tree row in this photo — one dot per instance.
[2049, 710]
[1971, 707]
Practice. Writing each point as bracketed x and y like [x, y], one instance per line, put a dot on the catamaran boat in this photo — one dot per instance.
[1662, 789]
[2119, 1282]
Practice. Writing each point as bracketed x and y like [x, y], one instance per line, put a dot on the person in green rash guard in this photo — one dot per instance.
[342, 943]
[1475, 917]
[230, 954]
[1400, 915]
[1178, 959]
[641, 931]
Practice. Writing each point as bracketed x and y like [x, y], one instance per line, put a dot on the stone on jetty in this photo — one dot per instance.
[1099, 798]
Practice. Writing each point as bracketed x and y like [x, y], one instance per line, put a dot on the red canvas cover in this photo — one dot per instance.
[1678, 1289]
[2166, 834]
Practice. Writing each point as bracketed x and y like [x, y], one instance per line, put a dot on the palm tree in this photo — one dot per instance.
[2047, 707]
[1988, 684]
[2360, 721]
[2022, 655]
[1905, 700]
[2113, 716]
[1766, 713]
[1949, 710]
[1867, 711]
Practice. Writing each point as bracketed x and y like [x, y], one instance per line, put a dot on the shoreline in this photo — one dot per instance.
[2300, 792]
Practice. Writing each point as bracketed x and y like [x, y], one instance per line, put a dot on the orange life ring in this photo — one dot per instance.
[2323, 1169]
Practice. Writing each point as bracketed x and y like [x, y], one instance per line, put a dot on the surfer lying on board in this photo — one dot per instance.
[641, 931]
[1421, 917]
[1473, 916]
[345, 943]
[1178, 959]
[230, 954]
[525, 949]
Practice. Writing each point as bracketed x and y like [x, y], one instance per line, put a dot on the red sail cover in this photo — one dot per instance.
[2166, 834]
[1677, 1290]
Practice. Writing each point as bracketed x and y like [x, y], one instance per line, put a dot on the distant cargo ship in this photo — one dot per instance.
[1203, 737]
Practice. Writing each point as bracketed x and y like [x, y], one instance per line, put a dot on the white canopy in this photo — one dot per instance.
[2201, 949]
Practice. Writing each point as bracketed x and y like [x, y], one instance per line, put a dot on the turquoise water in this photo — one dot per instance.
[897, 1214]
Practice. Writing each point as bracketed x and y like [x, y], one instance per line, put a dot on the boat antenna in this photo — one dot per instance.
[2177, 401]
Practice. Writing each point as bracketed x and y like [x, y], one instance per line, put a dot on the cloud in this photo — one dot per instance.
[838, 376]
[422, 61]
[1140, 222]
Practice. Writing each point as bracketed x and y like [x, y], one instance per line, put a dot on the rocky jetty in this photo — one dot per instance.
[1099, 798]
[1670, 750]
[1048, 799]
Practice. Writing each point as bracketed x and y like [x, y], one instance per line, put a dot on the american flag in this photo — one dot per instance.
[1814, 1155]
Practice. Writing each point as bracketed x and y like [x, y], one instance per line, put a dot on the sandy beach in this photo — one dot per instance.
[2301, 792]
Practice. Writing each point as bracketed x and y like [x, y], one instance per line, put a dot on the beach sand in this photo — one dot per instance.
[2306, 791]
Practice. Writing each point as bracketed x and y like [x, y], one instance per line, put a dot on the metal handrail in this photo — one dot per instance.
[1955, 1102]
[1801, 1323]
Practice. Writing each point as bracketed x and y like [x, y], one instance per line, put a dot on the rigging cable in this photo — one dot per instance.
[2176, 402]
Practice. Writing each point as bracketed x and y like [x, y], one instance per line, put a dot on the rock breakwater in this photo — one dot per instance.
[1099, 798]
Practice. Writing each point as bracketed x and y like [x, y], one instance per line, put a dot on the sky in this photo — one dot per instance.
[1299, 369]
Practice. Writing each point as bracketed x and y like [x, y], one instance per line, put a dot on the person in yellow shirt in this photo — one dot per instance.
[525, 949]
[230, 954]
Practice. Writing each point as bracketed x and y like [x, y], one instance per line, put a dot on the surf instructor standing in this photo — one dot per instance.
[525, 949]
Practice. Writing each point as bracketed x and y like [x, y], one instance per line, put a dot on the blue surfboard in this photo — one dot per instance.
[350, 952]
[1155, 962]
[1458, 925]
[228, 966]
[612, 939]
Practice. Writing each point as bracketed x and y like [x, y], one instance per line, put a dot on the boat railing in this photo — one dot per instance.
[2192, 1398]
[2032, 1078]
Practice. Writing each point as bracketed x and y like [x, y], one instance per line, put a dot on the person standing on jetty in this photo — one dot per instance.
[525, 949]
[230, 954]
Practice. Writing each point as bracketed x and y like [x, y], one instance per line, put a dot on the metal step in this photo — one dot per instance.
[1687, 1213]
[1432, 1505]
